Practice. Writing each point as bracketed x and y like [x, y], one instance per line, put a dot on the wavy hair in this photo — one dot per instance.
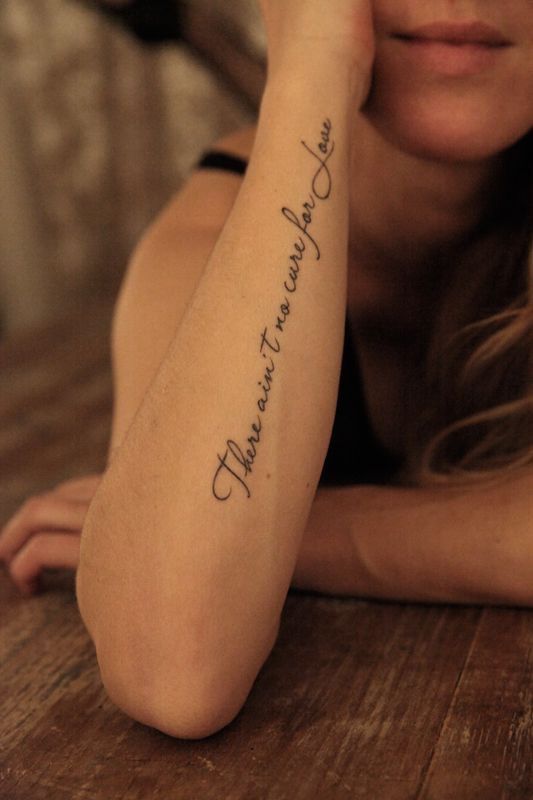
[476, 423]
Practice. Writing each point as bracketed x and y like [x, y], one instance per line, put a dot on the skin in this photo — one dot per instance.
[425, 150]
[468, 119]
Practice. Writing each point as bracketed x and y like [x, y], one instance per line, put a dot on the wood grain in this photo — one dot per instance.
[359, 699]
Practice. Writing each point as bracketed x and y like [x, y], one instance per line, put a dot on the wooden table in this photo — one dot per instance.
[359, 699]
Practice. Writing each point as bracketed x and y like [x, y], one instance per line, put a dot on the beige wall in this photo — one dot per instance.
[96, 131]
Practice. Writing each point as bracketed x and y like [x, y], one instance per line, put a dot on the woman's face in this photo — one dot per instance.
[453, 78]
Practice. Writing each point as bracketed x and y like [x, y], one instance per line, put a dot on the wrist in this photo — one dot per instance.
[297, 78]
[327, 560]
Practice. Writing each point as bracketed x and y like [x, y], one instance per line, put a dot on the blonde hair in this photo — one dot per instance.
[476, 417]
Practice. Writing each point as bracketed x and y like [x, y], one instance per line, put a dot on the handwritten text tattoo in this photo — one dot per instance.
[236, 463]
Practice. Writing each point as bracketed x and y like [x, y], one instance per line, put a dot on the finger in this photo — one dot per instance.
[40, 513]
[44, 551]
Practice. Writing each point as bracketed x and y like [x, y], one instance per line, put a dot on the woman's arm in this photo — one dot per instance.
[434, 545]
[190, 543]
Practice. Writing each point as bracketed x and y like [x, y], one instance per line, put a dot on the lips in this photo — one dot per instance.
[453, 50]
[469, 33]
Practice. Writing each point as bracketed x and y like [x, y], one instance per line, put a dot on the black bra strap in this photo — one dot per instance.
[215, 159]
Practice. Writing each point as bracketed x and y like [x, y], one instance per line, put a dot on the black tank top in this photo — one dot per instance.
[354, 456]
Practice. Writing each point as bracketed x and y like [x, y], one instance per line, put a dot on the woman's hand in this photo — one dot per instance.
[302, 32]
[45, 532]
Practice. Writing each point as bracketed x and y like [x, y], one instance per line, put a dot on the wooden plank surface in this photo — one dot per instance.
[359, 699]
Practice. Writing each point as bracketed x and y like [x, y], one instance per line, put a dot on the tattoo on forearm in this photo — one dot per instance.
[236, 463]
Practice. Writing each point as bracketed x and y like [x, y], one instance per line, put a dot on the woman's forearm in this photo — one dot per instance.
[191, 540]
[468, 546]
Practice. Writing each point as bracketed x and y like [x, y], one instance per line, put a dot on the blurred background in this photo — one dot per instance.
[105, 106]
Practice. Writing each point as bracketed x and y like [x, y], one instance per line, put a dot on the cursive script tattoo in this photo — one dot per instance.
[236, 463]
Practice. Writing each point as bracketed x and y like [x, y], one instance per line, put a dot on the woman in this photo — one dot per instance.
[386, 195]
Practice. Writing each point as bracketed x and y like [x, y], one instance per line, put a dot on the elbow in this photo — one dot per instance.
[182, 708]
[162, 686]
[181, 701]
[165, 670]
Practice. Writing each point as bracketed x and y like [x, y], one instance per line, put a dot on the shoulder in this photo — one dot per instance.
[238, 143]
[207, 196]
[202, 205]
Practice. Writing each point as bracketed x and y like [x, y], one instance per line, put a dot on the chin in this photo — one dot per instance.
[443, 123]
[444, 130]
